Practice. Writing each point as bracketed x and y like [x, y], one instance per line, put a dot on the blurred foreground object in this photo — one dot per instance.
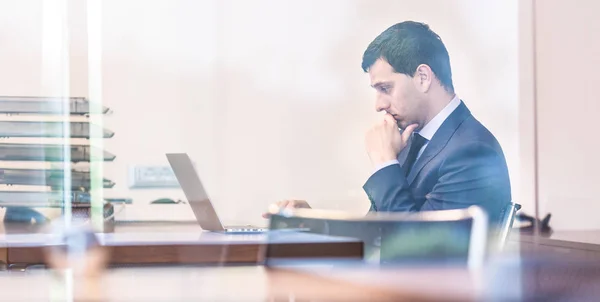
[79, 250]
[79, 256]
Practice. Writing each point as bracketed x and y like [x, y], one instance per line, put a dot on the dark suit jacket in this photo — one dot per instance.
[462, 165]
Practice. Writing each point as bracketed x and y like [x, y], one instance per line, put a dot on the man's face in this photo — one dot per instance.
[396, 94]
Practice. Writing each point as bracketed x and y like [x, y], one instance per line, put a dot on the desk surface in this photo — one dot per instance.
[505, 281]
[250, 283]
[587, 236]
[584, 240]
[182, 243]
[175, 234]
[119, 227]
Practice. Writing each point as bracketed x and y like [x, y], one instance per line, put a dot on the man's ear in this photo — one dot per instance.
[423, 77]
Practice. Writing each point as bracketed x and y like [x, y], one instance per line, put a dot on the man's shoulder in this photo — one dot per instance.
[473, 145]
[471, 131]
[472, 140]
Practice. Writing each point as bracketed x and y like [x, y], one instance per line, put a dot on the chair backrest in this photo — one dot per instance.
[448, 236]
[507, 218]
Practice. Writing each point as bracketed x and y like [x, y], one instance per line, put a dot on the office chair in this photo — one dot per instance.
[402, 238]
[507, 218]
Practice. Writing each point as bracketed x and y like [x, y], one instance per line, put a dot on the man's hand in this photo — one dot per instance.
[384, 141]
[285, 204]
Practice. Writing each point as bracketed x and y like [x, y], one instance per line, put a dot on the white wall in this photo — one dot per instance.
[565, 54]
[268, 96]
[160, 78]
[567, 62]
[21, 36]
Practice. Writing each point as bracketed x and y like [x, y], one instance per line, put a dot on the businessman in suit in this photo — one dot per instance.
[428, 151]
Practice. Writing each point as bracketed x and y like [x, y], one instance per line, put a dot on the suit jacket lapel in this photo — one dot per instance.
[439, 139]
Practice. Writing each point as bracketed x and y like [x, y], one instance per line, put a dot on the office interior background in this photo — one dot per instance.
[270, 107]
[269, 100]
[276, 107]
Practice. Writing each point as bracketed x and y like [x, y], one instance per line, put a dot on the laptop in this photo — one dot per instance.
[198, 199]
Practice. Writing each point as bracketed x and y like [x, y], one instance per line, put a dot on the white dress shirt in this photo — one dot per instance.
[429, 130]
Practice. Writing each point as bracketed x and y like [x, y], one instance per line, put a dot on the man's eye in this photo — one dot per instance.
[385, 89]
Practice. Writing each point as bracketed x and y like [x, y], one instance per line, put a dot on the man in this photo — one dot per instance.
[441, 157]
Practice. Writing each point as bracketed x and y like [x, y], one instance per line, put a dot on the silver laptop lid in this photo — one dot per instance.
[194, 191]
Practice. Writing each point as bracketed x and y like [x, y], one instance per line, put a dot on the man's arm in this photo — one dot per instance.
[475, 174]
[388, 191]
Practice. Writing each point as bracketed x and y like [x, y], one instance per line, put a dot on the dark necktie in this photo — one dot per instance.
[417, 142]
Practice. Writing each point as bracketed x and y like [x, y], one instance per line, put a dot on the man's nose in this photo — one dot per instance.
[381, 104]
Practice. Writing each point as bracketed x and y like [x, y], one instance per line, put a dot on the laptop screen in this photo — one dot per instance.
[194, 191]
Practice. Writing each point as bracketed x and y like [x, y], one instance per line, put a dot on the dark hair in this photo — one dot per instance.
[407, 45]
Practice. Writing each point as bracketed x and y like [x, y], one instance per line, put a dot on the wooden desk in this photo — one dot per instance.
[221, 284]
[256, 283]
[3, 256]
[184, 243]
[513, 280]
[581, 244]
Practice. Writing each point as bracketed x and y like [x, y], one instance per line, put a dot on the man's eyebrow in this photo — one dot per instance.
[379, 84]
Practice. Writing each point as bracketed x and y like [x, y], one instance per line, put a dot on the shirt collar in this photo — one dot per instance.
[432, 127]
